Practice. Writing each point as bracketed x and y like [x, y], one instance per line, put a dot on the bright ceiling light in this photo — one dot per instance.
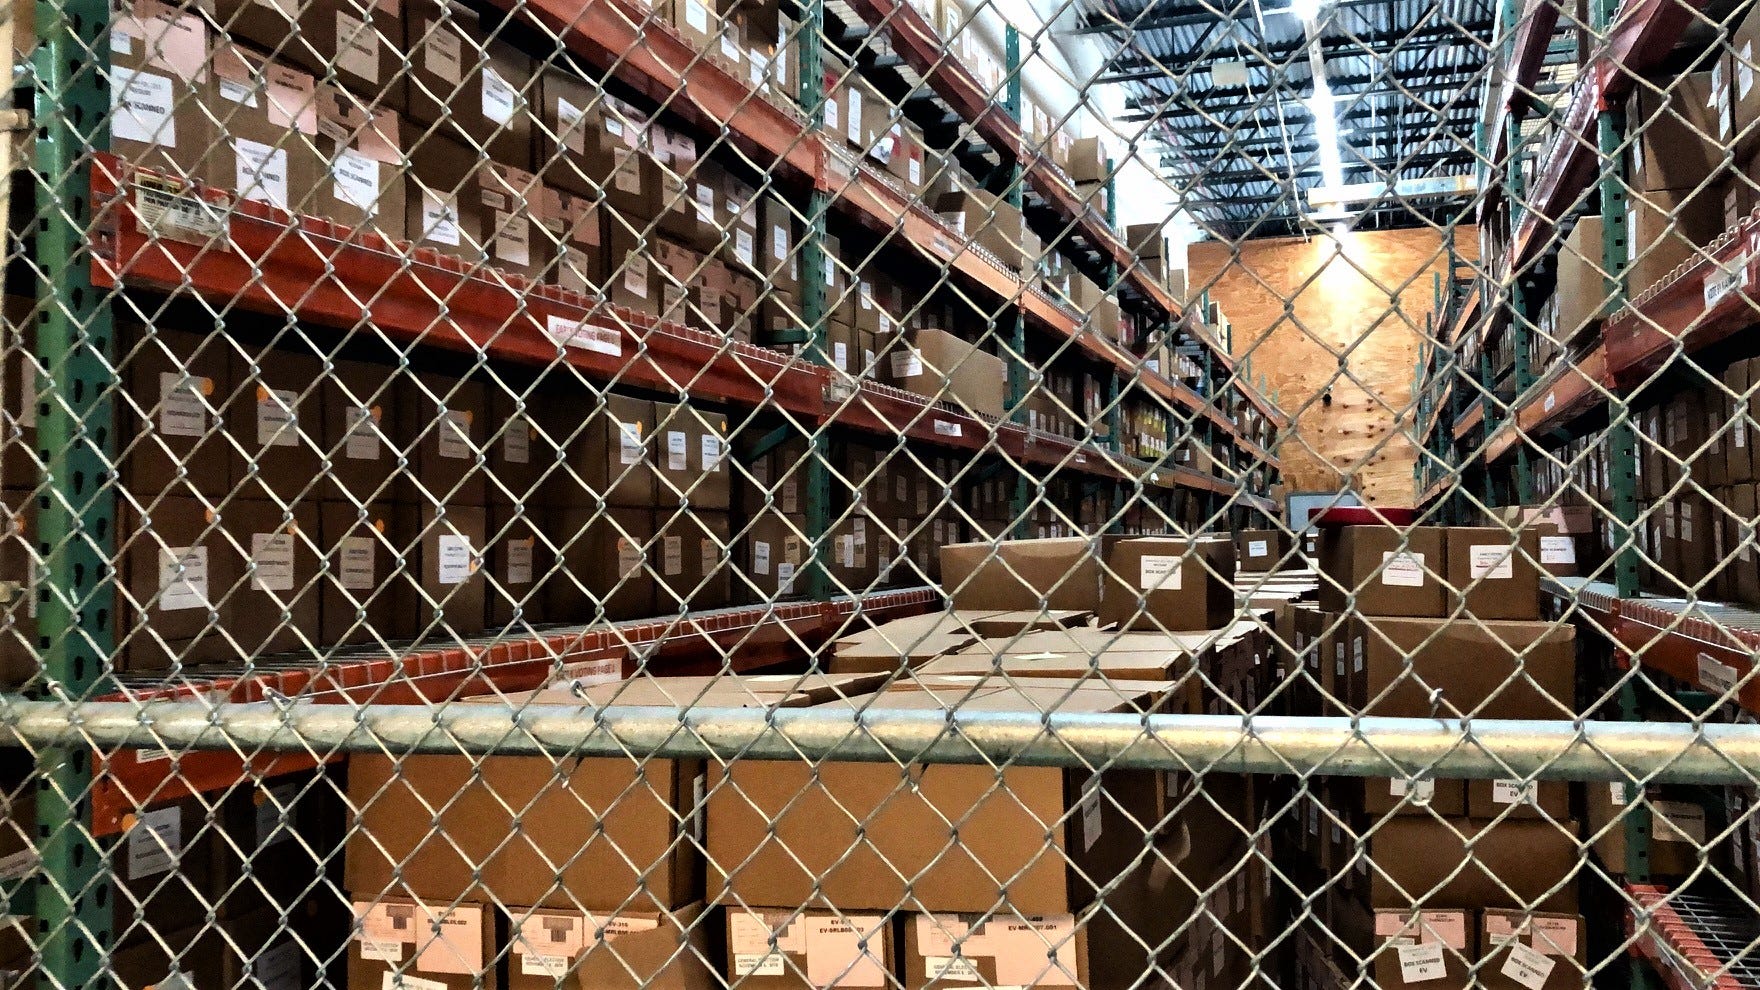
[1307, 10]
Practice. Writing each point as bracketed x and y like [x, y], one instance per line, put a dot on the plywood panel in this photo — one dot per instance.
[1338, 317]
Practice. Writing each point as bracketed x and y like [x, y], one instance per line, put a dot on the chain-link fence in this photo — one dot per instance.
[775, 493]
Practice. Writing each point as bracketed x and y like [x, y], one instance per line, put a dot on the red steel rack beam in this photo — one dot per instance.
[1706, 301]
[748, 639]
[1661, 937]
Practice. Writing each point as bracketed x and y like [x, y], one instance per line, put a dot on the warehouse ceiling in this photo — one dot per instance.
[1224, 90]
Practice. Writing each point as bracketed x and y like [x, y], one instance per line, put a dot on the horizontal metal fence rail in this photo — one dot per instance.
[1363, 747]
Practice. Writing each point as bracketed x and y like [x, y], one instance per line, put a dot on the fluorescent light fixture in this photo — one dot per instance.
[1229, 73]
[1307, 10]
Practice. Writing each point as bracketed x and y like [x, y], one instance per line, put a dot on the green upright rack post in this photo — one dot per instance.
[75, 344]
[815, 282]
[1021, 378]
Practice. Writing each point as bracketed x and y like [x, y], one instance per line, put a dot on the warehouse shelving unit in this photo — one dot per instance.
[1692, 942]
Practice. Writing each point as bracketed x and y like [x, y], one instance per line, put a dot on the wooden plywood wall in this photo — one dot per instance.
[1342, 316]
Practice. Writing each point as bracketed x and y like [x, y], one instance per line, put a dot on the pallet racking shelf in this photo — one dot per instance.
[766, 635]
[1690, 941]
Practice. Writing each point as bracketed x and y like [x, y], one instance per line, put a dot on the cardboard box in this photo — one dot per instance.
[1168, 583]
[1426, 861]
[521, 559]
[607, 564]
[521, 454]
[727, 690]
[274, 607]
[514, 232]
[19, 649]
[363, 433]
[1669, 229]
[592, 834]
[1582, 291]
[1423, 948]
[270, 844]
[1445, 668]
[625, 950]
[1493, 572]
[256, 950]
[574, 230]
[1677, 833]
[1264, 550]
[164, 867]
[939, 366]
[1003, 950]
[1528, 950]
[175, 568]
[610, 455]
[450, 544]
[191, 957]
[443, 209]
[450, 945]
[1023, 574]
[693, 560]
[361, 41]
[807, 949]
[448, 420]
[275, 417]
[775, 551]
[463, 78]
[181, 383]
[1388, 571]
[1010, 839]
[359, 182]
[365, 596]
[159, 64]
[1679, 134]
[266, 122]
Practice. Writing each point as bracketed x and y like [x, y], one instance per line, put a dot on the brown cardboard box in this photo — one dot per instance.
[164, 867]
[359, 181]
[1558, 551]
[607, 564]
[1668, 229]
[360, 39]
[190, 957]
[465, 78]
[790, 949]
[364, 544]
[19, 468]
[1519, 799]
[940, 366]
[274, 608]
[180, 382]
[451, 945]
[269, 844]
[693, 561]
[514, 238]
[726, 690]
[1745, 505]
[1679, 134]
[626, 950]
[159, 63]
[590, 834]
[1677, 832]
[1510, 864]
[450, 546]
[19, 650]
[1527, 950]
[1263, 550]
[574, 227]
[443, 209]
[1009, 839]
[256, 950]
[266, 123]
[1390, 571]
[1738, 446]
[1493, 572]
[275, 416]
[691, 450]
[176, 565]
[1581, 291]
[610, 454]
[571, 131]
[1422, 948]
[448, 421]
[521, 558]
[1023, 574]
[1443, 668]
[363, 435]
[775, 551]
[521, 455]
[1003, 950]
[1168, 583]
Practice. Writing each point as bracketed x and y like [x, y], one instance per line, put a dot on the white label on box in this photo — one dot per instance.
[743, 247]
[846, 551]
[1402, 568]
[832, 120]
[272, 561]
[182, 411]
[840, 355]
[441, 52]
[1493, 563]
[183, 578]
[635, 275]
[947, 429]
[243, 93]
[404, 981]
[277, 422]
[500, 98]
[677, 451]
[381, 950]
[627, 178]
[357, 563]
[785, 578]
[1739, 431]
[956, 968]
[513, 238]
[753, 964]
[779, 242]
[516, 442]
[703, 200]
[141, 109]
[1556, 936]
[1527, 967]
[672, 556]
[1678, 821]
[1511, 792]
[454, 434]
[363, 435]
[260, 172]
[923, 503]
[536, 964]
[1091, 811]
[275, 967]
[907, 363]
[760, 557]
[1159, 572]
[355, 180]
[155, 842]
[1617, 793]
[710, 452]
[915, 168]
[629, 557]
[519, 560]
[708, 555]
[629, 443]
[1421, 791]
[357, 47]
[1558, 550]
[1258, 548]
[440, 218]
[568, 121]
[457, 560]
[696, 14]
[1421, 963]
[854, 131]
[1716, 677]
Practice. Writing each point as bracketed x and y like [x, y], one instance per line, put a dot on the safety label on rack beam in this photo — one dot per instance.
[178, 215]
[1716, 676]
[584, 336]
[946, 429]
[1723, 283]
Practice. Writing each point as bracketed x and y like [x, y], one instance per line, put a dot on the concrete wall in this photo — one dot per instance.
[1343, 315]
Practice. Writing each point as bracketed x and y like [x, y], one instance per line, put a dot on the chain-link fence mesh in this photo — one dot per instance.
[778, 493]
